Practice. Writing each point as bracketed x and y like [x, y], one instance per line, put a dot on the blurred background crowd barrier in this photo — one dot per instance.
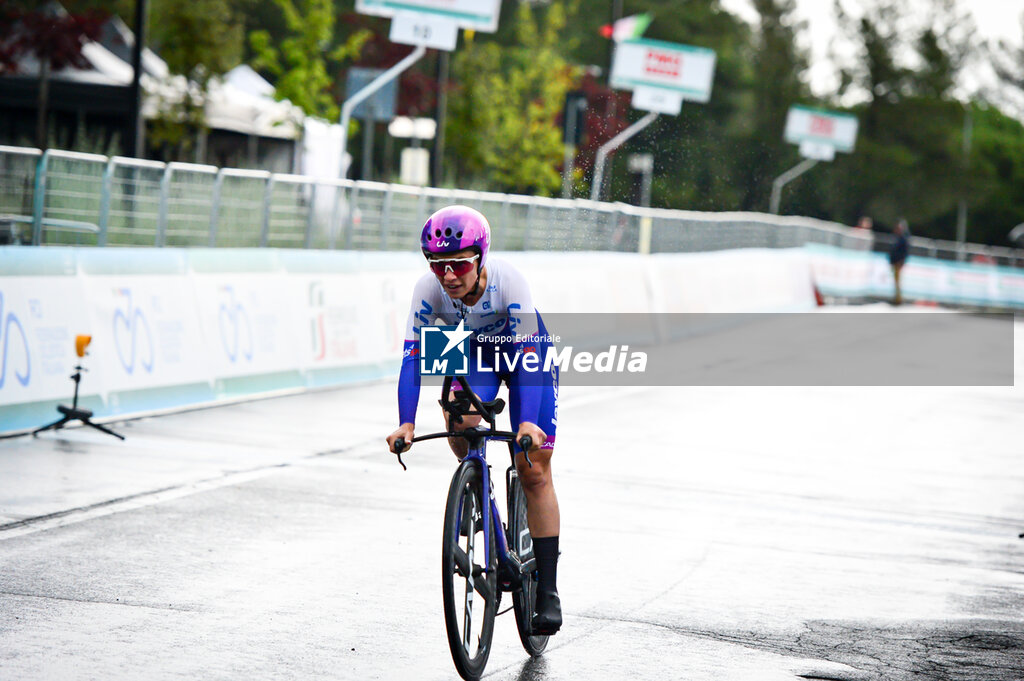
[70, 198]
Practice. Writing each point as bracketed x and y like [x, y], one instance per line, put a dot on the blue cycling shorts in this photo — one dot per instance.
[486, 383]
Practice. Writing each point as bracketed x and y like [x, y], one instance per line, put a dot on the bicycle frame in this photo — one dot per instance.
[492, 515]
[477, 455]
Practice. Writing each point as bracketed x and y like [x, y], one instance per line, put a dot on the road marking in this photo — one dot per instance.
[20, 528]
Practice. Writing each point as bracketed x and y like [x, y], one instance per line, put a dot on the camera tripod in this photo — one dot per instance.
[74, 413]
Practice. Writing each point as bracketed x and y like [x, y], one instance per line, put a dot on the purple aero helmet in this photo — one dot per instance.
[455, 228]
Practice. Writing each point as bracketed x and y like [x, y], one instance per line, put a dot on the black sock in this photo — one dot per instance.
[546, 551]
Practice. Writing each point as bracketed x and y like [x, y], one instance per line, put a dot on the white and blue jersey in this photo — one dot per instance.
[504, 323]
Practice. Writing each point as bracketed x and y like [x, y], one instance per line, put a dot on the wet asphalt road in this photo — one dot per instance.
[708, 533]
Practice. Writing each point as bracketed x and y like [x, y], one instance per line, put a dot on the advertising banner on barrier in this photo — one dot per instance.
[39, 319]
[352, 318]
[146, 331]
[249, 321]
[846, 273]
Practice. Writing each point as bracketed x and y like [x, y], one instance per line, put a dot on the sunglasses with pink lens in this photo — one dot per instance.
[457, 266]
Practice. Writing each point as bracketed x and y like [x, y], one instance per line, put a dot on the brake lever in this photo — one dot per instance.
[525, 443]
[397, 448]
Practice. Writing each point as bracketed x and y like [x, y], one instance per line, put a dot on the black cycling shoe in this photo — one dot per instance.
[548, 619]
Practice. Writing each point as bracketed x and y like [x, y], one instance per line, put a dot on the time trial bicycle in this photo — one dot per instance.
[481, 556]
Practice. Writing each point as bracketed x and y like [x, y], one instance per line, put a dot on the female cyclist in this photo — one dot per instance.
[493, 300]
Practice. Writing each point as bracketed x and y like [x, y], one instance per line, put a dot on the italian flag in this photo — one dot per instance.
[627, 27]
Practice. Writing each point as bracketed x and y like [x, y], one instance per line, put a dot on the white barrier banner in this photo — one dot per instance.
[39, 319]
[1010, 287]
[852, 273]
[353, 318]
[249, 322]
[146, 332]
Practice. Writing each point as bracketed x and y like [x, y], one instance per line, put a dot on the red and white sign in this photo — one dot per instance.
[814, 128]
[682, 69]
[663, 63]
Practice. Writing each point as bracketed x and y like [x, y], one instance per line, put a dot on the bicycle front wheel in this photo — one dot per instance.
[524, 599]
[469, 584]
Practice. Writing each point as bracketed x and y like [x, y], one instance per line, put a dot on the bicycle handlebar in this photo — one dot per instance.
[486, 410]
[525, 442]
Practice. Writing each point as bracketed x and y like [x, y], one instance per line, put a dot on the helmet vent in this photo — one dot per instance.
[458, 235]
[448, 231]
[437, 233]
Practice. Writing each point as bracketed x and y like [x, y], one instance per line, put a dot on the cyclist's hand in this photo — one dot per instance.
[535, 433]
[405, 431]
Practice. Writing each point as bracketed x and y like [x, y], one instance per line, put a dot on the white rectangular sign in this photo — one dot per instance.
[837, 130]
[39, 319]
[659, 100]
[429, 30]
[686, 70]
[479, 15]
[817, 150]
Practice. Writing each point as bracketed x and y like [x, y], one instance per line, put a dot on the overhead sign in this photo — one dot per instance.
[380, 106]
[815, 129]
[478, 15]
[684, 70]
[658, 100]
[429, 30]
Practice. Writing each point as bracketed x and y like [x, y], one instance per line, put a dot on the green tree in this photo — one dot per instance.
[299, 65]
[54, 38]
[200, 39]
[997, 166]
[778, 67]
[502, 125]
[908, 160]
[697, 164]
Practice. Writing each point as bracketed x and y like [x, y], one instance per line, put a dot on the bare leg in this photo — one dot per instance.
[541, 503]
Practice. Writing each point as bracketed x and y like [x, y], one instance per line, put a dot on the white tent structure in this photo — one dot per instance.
[244, 102]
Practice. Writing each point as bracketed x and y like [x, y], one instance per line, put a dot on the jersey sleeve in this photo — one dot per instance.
[520, 307]
[422, 311]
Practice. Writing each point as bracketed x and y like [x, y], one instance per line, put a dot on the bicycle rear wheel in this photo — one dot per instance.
[524, 599]
[470, 586]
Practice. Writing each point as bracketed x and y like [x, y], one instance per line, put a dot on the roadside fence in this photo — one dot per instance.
[70, 198]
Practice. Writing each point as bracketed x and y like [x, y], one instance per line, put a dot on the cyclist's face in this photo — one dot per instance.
[456, 286]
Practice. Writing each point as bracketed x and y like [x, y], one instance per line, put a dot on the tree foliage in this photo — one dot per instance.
[903, 79]
[53, 37]
[200, 39]
[504, 113]
[298, 62]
